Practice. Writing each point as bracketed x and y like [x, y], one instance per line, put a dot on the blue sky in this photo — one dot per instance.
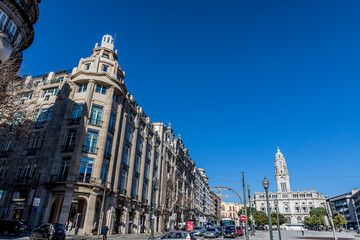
[235, 78]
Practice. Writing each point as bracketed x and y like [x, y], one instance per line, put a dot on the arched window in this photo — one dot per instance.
[288, 220]
[298, 219]
[3, 18]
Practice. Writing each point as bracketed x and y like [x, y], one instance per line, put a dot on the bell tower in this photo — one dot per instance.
[281, 173]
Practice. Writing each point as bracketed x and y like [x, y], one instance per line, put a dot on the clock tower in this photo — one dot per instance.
[281, 173]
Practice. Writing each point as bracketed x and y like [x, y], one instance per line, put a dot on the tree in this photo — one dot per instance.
[339, 220]
[318, 212]
[282, 219]
[14, 117]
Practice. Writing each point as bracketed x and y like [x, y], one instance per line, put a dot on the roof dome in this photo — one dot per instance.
[278, 154]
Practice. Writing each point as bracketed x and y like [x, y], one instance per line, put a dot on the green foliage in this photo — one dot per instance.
[313, 221]
[339, 220]
[318, 212]
[282, 219]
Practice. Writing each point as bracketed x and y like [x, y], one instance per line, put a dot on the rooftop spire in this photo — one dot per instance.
[108, 42]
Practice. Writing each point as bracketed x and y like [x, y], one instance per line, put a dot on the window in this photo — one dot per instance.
[3, 169]
[116, 98]
[85, 170]
[11, 28]
[123, 182]
[105, 55]
[146, 172]
[96, 115]
[145, 192]
[304, 209]
[148, 151]
[118, 75]
[3, 19]
[297, 209]
[156, 160]
[104, 171]
[70, 140]
[137, 163]
[126, 155]
[35, 141]
[105, 68]
[283, 187]
[82, 87]
[64, 169]
[129, 135]
[139, 144]
[87, 66]
[91, 141]
[108, 144]
[51, 91]
[47, 97]
[286, 209]
[76, 113]
[298, 219]
[134, 188]
[100, 89]
[44, 117]
[112, 122]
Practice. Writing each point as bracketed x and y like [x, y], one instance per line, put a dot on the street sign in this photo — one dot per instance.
[251, 217]
[242, 218]
[36, 202]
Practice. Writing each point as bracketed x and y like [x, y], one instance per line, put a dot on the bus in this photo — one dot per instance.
[226, 222]
[296, 227]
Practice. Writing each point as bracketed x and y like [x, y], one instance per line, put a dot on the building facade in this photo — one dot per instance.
[231, 210]
[294, 205]
[345, 204]
[17, 18]
[94, 156]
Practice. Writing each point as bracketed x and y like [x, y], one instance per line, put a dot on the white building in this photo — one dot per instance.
[294, 205]
[202, 197]
[231, 210]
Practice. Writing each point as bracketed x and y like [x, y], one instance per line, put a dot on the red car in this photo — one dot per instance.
[239, 231]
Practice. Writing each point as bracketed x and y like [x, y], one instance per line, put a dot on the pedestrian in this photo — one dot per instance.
[302, 231]
[105, 230]
[69, 227]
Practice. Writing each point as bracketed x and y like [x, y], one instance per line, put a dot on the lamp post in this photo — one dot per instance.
[251, 215]
[357, 220]
[276, 202]
[101, 217]
[265, 184]
[155, 183]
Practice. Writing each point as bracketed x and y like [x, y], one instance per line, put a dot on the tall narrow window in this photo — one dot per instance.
[70, 140]
[139, 144]
[123, 182]
[137, 164]
[112, 122]
[146, 173]
[87, 66]
[126, 155]
[85, 170]
[3, 18]
[91, 141]
[96, 115]
[134, 188]
[64, 169]
[104, 172]
[44, 117]
[76, 113]
[145, 193]
[108, 144]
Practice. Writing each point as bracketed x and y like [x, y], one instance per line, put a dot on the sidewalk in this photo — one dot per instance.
[144, 236]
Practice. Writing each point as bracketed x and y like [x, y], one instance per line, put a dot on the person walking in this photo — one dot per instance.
[105, 230]
[69, 227]
[302, 231]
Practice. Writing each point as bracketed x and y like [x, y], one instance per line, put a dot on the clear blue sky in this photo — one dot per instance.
[235, 78]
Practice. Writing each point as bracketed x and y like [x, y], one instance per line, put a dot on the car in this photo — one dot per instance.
[51, 231]
[220, 230]
[211, 233]
[181, 235]
[11, 227]
[198, 231]
[229, 232]
[239, 231]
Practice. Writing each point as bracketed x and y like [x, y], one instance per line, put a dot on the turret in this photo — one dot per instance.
[281, 173]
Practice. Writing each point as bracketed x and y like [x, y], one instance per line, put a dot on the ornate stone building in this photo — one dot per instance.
[294, 205]
[231, 210]
[17, 18]
[94, 154]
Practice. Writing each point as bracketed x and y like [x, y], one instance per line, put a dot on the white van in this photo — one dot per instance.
[296, 227]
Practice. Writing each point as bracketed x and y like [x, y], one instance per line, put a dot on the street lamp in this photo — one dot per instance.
[276, 202]
[155, 188]
[251, 215]
[266, 184]
[102, 211]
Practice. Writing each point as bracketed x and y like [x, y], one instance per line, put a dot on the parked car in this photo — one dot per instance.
[211, 233]
[11, 227]
[239, 231]
[181, 235]
[220, 230]
[49, 231]
[229, 232]
[198, 231]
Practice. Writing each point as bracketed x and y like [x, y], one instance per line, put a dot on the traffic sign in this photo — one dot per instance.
[242, 218]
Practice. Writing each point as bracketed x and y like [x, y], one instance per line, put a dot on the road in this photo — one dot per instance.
[260, 235]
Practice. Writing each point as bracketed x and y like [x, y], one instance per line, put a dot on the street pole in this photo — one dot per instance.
[251, 215]
[277, 217]
[266, 186]
[153, 209]
[246, 217]
[357, 220]
[329, 213]
[101, 212]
